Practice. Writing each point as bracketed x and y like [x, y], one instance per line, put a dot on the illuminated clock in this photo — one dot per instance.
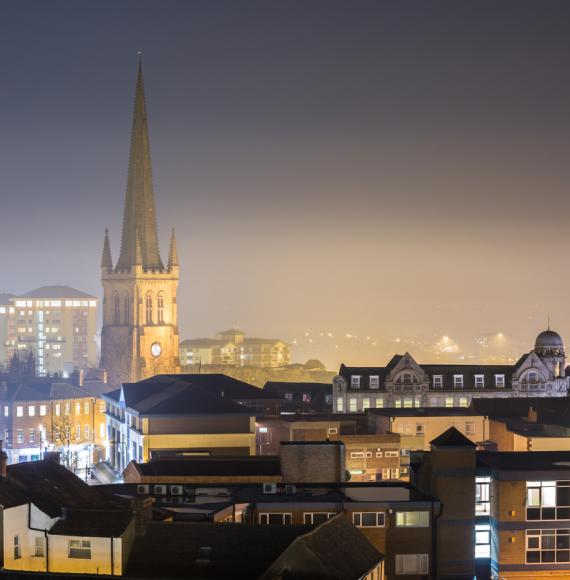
[155, 349]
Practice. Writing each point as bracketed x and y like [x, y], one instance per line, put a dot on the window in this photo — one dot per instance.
[332, 430]
[17, 548]
[479, 381]
[148, 308]
[532, 377]
[408, 402]
[20, 436]
[548, 500]
[126, 306]
[369, 519]
[289, 396]
[463, 402]
[315, 518]
[378, 454]
[437, 381]
[80, 549]
[365, 404]
[78, 431]
[116, 308]
[306, 397]
[391, 454]
[276, 519]
[101, 430]
[482, 496]
[160, 308]
[67, 408]
[43, 410]
[469, 428]
[19, 411]
[398, 402]
[352, 405]
[412, 519]
[357, 455]
[39, 551]
[483, 541]
[57, 410]
[31, 411]
[449, 402]
[500, 381]
[6, 410]
[420, 429]
[355, 382]
[32, 436]
[86, 408]
[458, 381]
[411, 564]
[548, 546]
[86, 432]
[78, 408]
[375, 382]
[379, 403]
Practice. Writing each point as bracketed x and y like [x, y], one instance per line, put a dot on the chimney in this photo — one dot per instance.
[532, 416]
[3, 462]
[142, 506]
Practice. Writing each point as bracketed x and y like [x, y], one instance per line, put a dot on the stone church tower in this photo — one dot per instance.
[139, 338]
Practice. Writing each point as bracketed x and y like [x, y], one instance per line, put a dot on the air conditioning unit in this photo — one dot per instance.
[143, 489]
[176, 490]
[160, 489]
[290, 489]
[269, 488]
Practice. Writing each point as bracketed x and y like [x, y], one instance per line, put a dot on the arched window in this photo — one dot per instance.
[160, 308]
[117, 308]
[148, 307]
[127, 308]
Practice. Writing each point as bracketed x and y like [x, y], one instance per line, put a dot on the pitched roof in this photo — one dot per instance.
[238, 551]
[336, 551]
[452, 438]
[99, 523]
[56, 292]
[282, 387]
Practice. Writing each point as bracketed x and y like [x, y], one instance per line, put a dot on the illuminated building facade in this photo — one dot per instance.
[140, 316]
[57, 323]
[403, 383]
[233, 348]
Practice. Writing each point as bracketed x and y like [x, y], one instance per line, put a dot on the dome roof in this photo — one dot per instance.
[548, 339]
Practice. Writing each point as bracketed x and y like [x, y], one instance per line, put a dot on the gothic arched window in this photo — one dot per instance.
[117, 308]
[148, 307]
[160, 308]
[127, 309]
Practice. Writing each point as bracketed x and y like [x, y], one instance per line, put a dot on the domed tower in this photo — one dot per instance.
[549, 346]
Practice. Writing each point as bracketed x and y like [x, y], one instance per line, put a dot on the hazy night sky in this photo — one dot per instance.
[383, 168]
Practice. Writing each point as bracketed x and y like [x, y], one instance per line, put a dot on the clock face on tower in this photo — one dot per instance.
[155, 349]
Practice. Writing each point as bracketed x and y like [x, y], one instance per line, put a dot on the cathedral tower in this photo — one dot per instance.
[139, 338]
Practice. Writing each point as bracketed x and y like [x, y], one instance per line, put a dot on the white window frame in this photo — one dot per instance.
[284, 516]
[79, 549]
[355, 381]
[480, 378]
[500, 381]
[39, 547]
[457, 381]
[374, 381]
[310, 516]
[470, 428]
[357, 519]
[437, 381]
[19, 411]
[405, 564]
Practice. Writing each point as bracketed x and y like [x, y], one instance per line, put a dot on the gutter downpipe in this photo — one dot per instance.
[112, 558]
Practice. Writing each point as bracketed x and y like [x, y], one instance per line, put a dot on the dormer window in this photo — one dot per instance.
[437, 381]
[458, 381]
[500, 381]
[355, 381]
[375, 382]
[479, 381]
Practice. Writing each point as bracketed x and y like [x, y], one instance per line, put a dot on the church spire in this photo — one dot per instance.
[139, 214]
[106, 259]
[173, 254]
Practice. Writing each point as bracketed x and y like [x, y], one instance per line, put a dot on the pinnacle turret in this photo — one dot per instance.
[106, 259]
[173, 254]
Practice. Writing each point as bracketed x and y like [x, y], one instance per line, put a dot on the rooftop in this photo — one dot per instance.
[214, 466]
[56, 292]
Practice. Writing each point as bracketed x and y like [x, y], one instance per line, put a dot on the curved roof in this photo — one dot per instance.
[548, 339]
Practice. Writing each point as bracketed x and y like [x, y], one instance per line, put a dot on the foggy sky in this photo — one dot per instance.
[383, 168]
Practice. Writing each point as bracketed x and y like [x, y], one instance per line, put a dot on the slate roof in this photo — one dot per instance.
[338, 551]
[53, 487]
[44, 389]
[97, 523]
[236, 550]
[555, 410]
[56, 292]
[525, 461]
[282, 387]
[215, 466]
[452, 438]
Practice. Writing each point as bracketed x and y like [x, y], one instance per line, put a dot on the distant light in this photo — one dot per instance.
[263, 429]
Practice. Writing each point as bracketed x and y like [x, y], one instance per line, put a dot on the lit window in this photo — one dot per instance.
[412, 519]
[20, 436]
[339, 405]
[379, 403]
[86, 407]
[352, 405]
[57, 409]
[43, 410]
[19, 411]
[31, 411]
[449, 402]
[463, 402]
[365, 404]
[39, 551]
[32, 436]
[78, 408]
[482, 496]
[369, 519]
[80, 549]
[6, 410]
[412, 564]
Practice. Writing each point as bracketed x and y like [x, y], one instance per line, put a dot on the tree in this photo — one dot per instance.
[22, 364]
[63, 430]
